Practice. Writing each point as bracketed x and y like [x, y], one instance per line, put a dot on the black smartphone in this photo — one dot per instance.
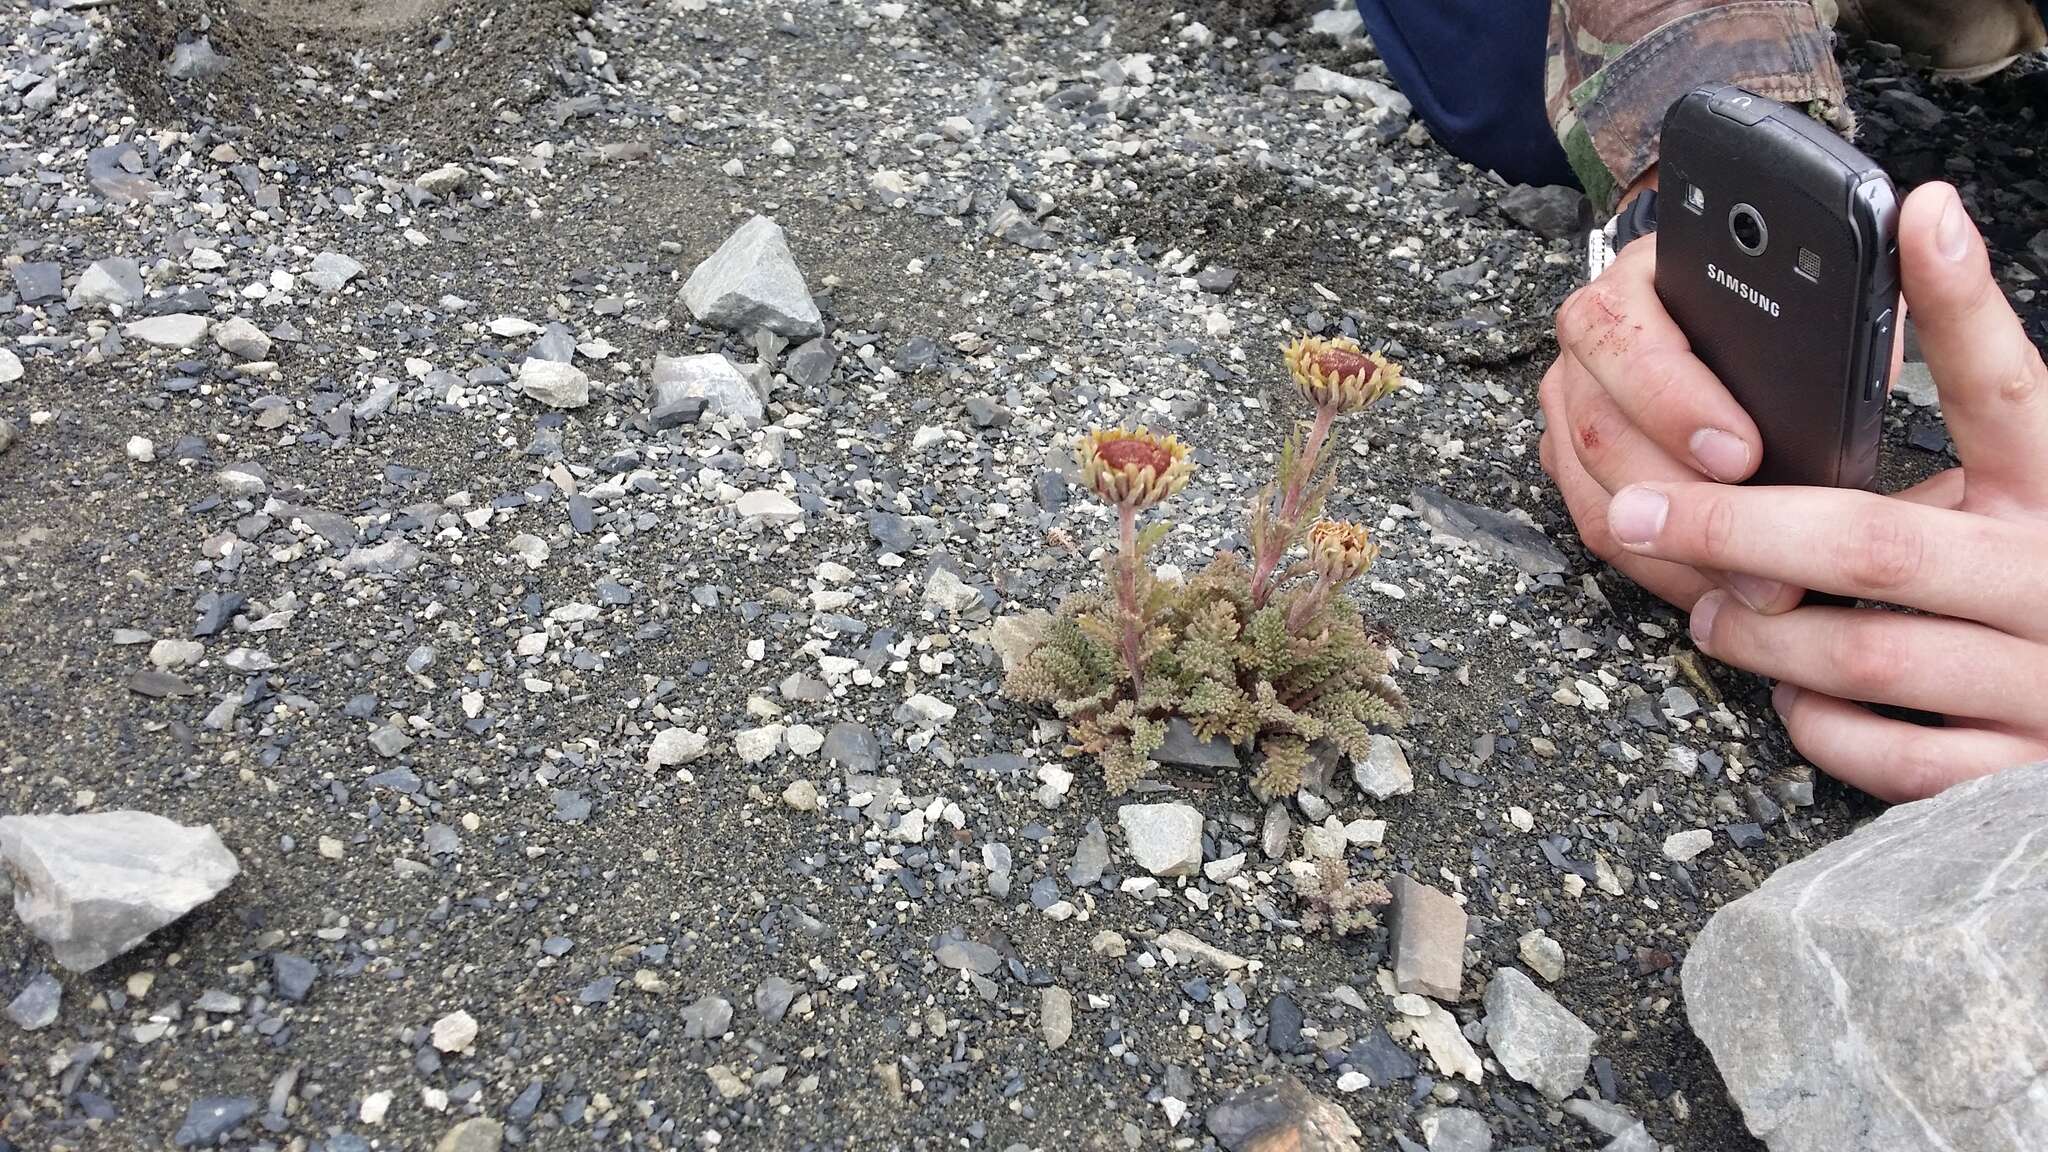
[1778, 256]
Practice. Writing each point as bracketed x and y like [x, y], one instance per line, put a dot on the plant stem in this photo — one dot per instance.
[1284, 526]
[1307, 603]
[1297, 486]
[1127, 595]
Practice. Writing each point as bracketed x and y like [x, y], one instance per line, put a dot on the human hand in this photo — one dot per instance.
[1969, 548]
[1626, 401]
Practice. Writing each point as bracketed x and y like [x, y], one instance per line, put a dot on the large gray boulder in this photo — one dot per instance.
[92, 886]
[1891, 990]
[752, 282]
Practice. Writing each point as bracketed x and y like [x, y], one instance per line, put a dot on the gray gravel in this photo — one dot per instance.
[651, 737]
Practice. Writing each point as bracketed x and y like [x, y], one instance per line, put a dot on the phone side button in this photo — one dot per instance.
[1878, 360]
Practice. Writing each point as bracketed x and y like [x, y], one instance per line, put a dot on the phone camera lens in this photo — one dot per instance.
[1747, 226]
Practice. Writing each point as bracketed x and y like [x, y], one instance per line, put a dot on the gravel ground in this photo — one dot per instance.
[439, 624]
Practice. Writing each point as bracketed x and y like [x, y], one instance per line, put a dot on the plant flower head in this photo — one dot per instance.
[1340, 551]
[1135, 468]
[1336, 373]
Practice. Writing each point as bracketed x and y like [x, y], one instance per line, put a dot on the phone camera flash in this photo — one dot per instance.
[1695, 198]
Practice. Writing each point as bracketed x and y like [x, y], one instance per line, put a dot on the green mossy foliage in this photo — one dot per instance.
[1248, 676]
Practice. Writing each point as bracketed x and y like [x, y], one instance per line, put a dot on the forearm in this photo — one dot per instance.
[1616, 65]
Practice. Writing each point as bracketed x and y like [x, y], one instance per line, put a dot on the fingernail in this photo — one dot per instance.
[1636, 514]
[1723, 454]
[1704, 610]
[1754, 591]
[1784, 696]
[1952, 231]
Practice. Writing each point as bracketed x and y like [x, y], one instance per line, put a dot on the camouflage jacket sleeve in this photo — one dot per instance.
[1615, 66]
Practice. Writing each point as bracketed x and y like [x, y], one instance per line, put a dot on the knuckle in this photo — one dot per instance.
[2026, 388]
[1867, 657]
[1595, 434]
[1880, 551]
[1716, 530]
[1591, 312]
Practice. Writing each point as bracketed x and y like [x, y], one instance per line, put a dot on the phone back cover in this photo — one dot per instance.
[1783, 342]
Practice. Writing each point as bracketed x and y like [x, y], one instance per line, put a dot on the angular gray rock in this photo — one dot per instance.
[210, 1118]
[711, 380]
[1384, 773]
[1537, 1040]
[751, 282]
[113, 281]
[1521, 544]
[1091, 856]
[1888, 990]
[1429, 940]
[35, 1007]
[1055, 1016]
[1554, 212]
[93, 885]
[1184, 749]
[772, 998]
[1165, 839]
[708, 1018]
[1457, 1130]
[331, 271]
[1281, 1116]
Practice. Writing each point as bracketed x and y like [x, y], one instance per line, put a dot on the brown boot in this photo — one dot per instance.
[1966, 39]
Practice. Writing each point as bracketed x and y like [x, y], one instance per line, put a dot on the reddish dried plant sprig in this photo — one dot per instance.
[1132, 470]
[1336, 376]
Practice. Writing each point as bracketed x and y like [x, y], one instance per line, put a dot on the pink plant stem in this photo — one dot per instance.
[1275, 545]
[1127, 594]
[1305, 606]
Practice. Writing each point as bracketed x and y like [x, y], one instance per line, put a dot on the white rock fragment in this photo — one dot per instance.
[455, 1032]
[680, 381]
[1683, 846]
[1543, 955]
[241, 339]
[755, 745]
[169, 654]
[92, 886]
[554, 384]
[927, 711]
[1447, 1047]
[672, 747]
[769, 507]
[1384, 773]
[443, 180]
[801, 795]
[173, 330]
[948, 593]
[1356, 89]
[1164, 839]
[10, 366]
[141, 450]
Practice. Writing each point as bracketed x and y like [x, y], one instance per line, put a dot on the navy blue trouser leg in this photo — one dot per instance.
[1474, 71]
